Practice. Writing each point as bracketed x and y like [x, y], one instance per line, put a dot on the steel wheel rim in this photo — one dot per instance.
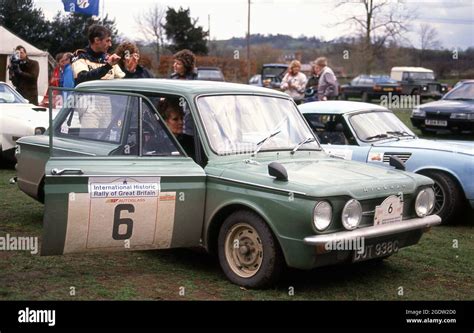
[243, 250]
[440, 197]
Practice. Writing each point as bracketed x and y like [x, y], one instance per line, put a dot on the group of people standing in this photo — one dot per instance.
[93, 63]
[323, 82]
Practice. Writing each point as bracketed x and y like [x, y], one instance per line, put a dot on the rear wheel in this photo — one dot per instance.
[248, 252]
[448, 196]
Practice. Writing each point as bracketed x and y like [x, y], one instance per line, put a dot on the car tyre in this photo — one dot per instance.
[249, 254]
[448, 196]
[365, 97]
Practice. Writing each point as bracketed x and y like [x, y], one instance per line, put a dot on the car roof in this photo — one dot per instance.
[180, 87]
[209, 68]
[275, 65]
[338, 107]
[412, 69]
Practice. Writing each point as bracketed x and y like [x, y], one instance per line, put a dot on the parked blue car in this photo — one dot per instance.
[371, 133]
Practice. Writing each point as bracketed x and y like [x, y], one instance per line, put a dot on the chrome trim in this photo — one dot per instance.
[57, 148]
[256, 185]
[374, 231]
[369, 213]
[59, 172]
[129, 175]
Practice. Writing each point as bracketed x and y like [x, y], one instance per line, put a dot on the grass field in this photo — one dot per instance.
[440, 267]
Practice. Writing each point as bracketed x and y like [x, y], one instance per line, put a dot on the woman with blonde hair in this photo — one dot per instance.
[294, 82]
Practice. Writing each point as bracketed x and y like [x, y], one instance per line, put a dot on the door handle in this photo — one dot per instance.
[58, 172]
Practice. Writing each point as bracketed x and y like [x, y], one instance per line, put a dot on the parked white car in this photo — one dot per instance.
[18, 118]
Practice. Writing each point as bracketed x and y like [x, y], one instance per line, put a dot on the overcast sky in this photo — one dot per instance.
[453, 19]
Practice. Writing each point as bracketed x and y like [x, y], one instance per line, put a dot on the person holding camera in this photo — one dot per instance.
[23, 73]
[93, 62]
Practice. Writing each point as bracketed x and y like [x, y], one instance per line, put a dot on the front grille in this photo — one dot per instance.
[368, 209]
[434, 87]
[436, 115]
[403, 156]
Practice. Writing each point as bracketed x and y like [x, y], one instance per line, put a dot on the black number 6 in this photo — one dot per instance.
[390, 209]
[118, 221]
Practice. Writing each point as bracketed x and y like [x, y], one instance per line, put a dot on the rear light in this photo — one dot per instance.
[399, 89]
[377, 88]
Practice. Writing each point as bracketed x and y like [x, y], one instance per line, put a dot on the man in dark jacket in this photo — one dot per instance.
[93, 62]
[24, 73]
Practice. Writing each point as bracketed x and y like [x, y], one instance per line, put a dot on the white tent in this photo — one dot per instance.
[8, 43]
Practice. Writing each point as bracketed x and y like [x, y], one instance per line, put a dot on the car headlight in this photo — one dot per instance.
[425, 88]
[443, 88]
[424, 202]
[351, 214]
[469, 116]
[322, 215]
[417, 112]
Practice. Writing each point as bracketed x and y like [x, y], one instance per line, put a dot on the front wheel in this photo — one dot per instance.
[448, 196]
[248, 252]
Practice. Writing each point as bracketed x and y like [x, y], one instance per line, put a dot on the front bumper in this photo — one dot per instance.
[375, 231]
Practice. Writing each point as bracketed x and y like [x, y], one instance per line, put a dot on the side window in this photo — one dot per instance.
[329, 129]
[96, 117]
[156, 140]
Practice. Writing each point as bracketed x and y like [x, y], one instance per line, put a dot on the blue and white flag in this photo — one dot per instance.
[86, 7]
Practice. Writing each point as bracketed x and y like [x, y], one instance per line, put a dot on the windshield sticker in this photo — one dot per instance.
[343, 153]
[375, 157]
[64, 129]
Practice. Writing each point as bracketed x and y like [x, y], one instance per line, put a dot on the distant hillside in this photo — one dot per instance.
[279, 41]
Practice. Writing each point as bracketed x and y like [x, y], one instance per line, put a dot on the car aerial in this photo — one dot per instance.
[369, 87]
[255, 187]
[371, 133]
[18, 118]
[210, 74]
[454, 112]
[418, 81]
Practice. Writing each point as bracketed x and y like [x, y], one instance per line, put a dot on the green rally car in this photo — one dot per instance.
[244, 177]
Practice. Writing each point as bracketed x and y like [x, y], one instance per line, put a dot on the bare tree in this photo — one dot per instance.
[428, 40]
[380, 22]
[151, 26]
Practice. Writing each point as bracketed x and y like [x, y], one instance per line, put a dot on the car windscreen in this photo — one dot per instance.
[237, 124]
[384, 79]
[209, 74]
[374, 125]
[465, 91]
[420, 76]
[273, 71]
[8, 95]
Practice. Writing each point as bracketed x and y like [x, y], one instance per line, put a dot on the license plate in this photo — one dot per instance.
[389, 211]
[387, 89]
[434, 122]
[377, 250]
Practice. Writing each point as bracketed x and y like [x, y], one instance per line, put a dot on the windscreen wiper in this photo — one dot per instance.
[307, 140]
[260, 143]
[400, 133]
[377, 136]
